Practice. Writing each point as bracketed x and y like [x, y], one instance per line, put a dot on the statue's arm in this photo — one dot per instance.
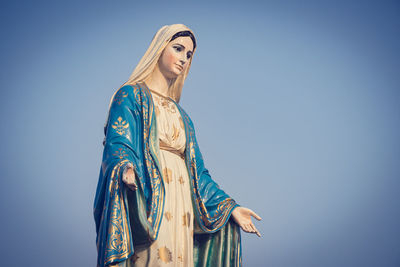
[123, 136]
[213, 195]
[218, 205]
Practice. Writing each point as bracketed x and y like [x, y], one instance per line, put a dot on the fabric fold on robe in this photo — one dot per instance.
[126, 218]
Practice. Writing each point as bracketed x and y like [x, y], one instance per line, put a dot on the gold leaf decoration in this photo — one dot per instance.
[165, 254]
[120, 126]
[120, 153]
[168, 215]
[119, 97]
[186, 219]
[180, 258]
[167, 173]
[175, 134]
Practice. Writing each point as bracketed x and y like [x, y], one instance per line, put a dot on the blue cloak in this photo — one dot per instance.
[126, 218]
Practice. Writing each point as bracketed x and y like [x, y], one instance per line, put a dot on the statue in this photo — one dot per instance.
[156, 203]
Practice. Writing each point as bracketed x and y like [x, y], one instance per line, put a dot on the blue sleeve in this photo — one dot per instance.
[122, 147]
[123, 133]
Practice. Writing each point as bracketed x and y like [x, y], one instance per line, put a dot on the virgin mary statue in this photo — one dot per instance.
[156, 203]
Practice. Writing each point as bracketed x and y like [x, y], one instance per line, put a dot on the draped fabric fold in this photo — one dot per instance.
[126, 218]
[222, 248]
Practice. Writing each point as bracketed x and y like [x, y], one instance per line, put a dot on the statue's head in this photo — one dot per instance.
[176, 56]
[171, 46]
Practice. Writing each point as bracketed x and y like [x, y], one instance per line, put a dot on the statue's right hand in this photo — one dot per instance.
[129, 179]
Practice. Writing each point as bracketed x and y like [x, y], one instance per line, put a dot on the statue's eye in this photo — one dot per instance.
[189, 55]
[178, 48]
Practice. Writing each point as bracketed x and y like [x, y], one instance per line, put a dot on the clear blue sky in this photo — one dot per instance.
[295, 104]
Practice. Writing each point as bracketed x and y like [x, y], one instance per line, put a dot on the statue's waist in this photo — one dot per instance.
[167, 147]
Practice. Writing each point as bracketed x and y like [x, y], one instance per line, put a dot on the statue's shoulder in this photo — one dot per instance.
[134, 92]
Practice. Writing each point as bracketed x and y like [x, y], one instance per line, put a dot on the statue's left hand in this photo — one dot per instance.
[242, 216]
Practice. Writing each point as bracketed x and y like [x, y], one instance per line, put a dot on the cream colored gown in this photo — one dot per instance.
[174, 244]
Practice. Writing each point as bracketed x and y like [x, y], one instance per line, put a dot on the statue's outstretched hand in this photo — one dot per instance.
[129, 179]
[242, 216]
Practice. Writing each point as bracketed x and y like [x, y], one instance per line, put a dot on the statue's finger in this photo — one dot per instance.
[250, 228]
[246, 228]
[255, 215]
[255, 230]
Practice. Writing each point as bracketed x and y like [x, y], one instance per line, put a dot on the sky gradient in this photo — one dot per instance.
[295, 104]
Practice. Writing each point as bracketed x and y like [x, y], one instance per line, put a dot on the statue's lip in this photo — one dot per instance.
[179, 66]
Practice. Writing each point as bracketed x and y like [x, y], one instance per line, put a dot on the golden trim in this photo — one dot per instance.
[145, 99]
[118, 230]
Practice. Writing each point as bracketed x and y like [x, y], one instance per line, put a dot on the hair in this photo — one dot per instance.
[185, 33]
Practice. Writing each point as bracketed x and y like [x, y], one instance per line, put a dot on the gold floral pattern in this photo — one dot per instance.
[120, 153]
[180, 258]
[175, 134]
[119, 97]
[164, 102]
[120, 126]
[167, 172]
[165, 254]
[168, 215]
[186, 219]
[181, 179]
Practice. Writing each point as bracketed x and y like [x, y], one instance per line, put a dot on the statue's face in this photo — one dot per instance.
[175, 57]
